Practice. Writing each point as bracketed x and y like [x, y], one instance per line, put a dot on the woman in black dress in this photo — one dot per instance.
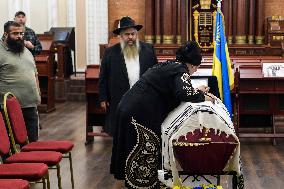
[142, 110]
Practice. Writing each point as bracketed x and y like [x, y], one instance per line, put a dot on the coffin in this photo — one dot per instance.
[204, 151]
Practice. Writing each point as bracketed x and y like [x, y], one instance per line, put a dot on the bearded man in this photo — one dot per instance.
[18, 74]
[121, 66]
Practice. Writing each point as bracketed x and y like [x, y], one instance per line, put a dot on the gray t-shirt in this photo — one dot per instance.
[18, 75]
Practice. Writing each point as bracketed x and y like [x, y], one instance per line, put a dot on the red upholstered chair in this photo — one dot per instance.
[205, 152]
[17, 127]
[32, 172]
[50, 158]
[14, 184]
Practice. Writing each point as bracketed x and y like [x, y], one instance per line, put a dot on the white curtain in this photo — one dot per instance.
[71, 13]
[97, 28]
[52, 13]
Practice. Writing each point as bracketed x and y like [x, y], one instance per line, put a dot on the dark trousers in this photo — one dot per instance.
[31, 121]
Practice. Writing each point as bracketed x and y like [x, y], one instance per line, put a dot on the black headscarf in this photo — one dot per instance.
[189, 53]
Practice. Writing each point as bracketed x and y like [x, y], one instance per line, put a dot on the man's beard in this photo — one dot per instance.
[130, 51]
[16, 46]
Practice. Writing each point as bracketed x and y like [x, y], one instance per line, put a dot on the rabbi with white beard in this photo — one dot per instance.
[121, 66]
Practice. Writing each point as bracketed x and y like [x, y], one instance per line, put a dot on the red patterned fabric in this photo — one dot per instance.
[215, 136]
[4, 139]
[203, 157]
[17, 120]
[26, 171]
[14, 184]
[58, 146]
[49, 158]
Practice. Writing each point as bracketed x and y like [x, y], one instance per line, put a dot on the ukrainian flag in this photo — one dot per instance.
[221, 62]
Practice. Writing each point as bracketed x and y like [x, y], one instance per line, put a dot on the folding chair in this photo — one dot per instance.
[14, 184]
[32, 172]
[16, 125]
[50, 158]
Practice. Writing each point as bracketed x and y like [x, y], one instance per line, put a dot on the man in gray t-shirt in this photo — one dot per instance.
[18, 74]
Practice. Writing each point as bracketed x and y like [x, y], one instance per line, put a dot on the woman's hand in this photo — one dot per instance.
[210, 97]
[203, 88]
[104, 105]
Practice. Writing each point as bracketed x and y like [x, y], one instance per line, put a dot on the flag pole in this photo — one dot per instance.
[219, 3]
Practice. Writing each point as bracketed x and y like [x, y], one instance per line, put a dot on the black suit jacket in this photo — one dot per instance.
[113, 81]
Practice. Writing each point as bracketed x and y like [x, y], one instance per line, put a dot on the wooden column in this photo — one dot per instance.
[178, 34]
[174, 19]
[183, 21]
[228, 14]
[234, 19]
[225, 11]
[158, 21]
[241, 37]
[168, 37]
[149, 21]
[259, 33]
[251, 25]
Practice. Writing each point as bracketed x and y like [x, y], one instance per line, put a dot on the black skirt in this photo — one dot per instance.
[136, 144]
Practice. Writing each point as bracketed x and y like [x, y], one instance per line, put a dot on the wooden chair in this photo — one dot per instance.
[32, 172]
[14, 184]
[17, 127]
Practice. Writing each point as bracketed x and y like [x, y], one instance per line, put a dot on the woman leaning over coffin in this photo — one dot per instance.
[142, 110]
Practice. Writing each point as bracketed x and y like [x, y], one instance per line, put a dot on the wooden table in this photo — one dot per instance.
[257, 100]
[45, 68]
[95, 116]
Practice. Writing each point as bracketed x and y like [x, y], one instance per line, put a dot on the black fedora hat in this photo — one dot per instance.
[126, 22]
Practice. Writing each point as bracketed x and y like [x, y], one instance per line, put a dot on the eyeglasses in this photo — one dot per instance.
[18, 33]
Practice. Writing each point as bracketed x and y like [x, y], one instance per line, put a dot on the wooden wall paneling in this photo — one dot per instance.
[241, 22]
[259, 36]
[225, 10]
[174, 20]
[230, 28]
[183, 21]
[178, 34]
[167, 22]
[251, 29]
[234, 19]
[158, 21]
[149, 21]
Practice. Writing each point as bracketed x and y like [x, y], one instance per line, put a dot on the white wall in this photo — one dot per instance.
[4, 12]
[97, 28]
[62, 12]
[90, 19]
[81, 55]
[37, 16]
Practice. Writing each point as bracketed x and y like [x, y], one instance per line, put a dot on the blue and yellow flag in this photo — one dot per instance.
[221, 62]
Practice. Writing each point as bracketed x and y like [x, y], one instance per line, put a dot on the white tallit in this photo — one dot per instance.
[186, 118]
